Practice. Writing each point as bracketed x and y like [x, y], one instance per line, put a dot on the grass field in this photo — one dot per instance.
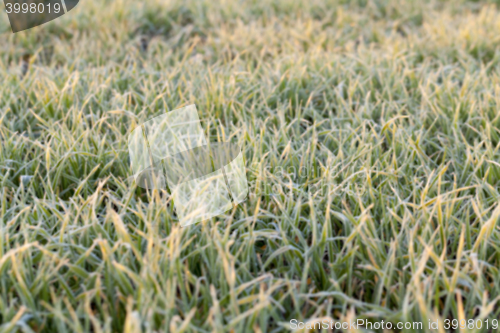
[372, 144]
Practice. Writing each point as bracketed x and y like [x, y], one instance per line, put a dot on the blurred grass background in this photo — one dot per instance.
[371, 136]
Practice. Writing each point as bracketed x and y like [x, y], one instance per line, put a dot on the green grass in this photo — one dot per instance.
[371, 136]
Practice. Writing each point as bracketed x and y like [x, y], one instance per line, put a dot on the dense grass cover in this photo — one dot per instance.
[371, 136]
